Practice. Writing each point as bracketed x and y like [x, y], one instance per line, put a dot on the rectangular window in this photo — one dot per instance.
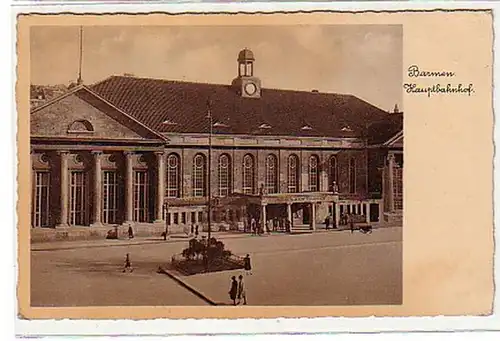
[176, 218]
[141, 196]
[41, 199]
[109, 197]
[398, 188]
[183, 217]
[352, 175]
[78, 198]
[193, 217]
[200, 217]
[168, 219]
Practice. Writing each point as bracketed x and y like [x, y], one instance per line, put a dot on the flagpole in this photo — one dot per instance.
[80, 81]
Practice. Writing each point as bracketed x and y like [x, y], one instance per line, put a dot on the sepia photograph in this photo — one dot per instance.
[216, 165]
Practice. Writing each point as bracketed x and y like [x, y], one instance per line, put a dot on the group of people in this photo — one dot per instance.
[237, 291]
[256, 227]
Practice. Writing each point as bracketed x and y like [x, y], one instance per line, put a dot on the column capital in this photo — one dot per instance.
[96, 152]
[128, 152]
[62, 152]
[159, 153]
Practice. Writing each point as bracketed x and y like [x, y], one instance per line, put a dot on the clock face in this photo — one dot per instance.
[250, 88]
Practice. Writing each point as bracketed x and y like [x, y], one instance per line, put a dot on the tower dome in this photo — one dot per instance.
[246, 55]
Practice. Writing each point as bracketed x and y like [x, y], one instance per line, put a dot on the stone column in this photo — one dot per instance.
[160, 194]
[367, 212]
[129, 188]
[289, 212]
[337, 214]
[263, 216]
[97, 188]
[390, 190]
[63, 221]
[313, 216]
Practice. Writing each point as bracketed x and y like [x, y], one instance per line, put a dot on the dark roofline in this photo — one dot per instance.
[311, 92]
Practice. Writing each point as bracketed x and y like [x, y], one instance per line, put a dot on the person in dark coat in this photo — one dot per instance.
[128, 264]
[247, 264]
[130, 231]
[351, 223]
[327, 222]
[233, 292]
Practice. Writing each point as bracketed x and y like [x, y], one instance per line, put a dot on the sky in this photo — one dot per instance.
[365, 61]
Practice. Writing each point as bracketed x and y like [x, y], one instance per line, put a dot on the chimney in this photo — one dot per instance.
[315, 90]
[396, 109]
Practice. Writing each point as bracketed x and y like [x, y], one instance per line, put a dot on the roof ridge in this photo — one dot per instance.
[164, 80]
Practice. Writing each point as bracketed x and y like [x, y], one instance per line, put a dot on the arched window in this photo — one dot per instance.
[313, 174]
[199, 176]
[248, 174]
[173, 164]
[332, 173]
[81, 126]
[271, 174]
[352, 175]
[224, 175]
[293, 174]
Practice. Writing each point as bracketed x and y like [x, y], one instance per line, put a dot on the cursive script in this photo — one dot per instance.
[414, 71]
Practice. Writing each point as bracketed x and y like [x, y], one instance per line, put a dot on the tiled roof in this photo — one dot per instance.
[181, 107]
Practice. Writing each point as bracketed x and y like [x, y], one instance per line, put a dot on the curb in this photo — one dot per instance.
[178, 240]
[187, 286]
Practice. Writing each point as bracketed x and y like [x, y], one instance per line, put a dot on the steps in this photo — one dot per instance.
[301, 229]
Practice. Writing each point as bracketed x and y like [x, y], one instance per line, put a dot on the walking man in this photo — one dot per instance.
[241, 291]
[128, 264]
[233, 291]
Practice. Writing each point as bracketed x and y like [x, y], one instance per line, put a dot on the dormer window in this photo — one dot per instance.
[80, 126]
[265, 126]
[169, 123]
[306, 127]
[220, 125]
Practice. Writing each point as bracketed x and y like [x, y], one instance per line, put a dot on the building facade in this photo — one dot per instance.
[150, 153]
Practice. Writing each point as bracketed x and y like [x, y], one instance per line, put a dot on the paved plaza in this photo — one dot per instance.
[326, 268]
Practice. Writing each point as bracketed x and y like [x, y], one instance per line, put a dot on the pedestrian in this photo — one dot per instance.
[268, 226]
[247, 264]
[351, 222]
[253, 225]
[233, 291]
[327, 222]
[241, 291]
[130, 232]
[128, 264]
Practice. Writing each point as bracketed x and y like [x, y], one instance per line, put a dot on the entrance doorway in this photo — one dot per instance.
[374, 212]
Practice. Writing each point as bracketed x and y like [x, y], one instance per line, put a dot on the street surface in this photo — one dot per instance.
[327, 268]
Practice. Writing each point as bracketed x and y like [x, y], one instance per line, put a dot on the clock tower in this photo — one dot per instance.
[246, 85]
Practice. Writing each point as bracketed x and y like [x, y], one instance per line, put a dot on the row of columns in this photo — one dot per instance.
[97, 193]
[388, 183]
[263, 214]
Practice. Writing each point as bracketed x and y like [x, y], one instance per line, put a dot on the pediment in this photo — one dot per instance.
[81, 114]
